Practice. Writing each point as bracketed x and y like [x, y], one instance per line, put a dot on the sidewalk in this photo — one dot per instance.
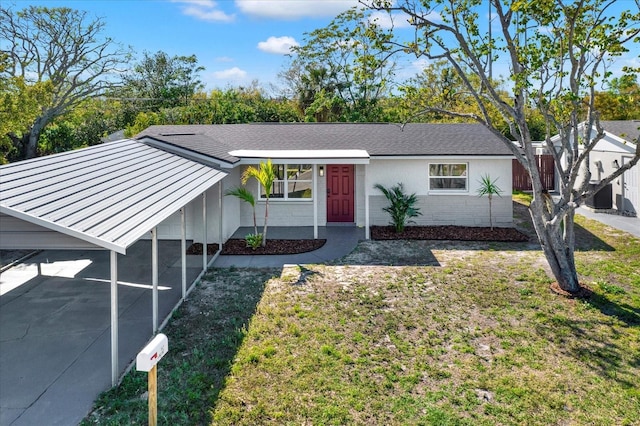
[341, 240]
[623, 223]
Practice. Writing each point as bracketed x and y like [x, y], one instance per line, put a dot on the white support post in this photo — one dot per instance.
[183, 247]
[366, 205]
[154, 276]
[114, 318]
[204, 231]
[315, 195]
[220, 238]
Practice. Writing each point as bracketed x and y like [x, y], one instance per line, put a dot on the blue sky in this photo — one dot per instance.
[237, 41]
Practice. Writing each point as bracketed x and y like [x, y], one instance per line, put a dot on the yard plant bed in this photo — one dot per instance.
[239, 247]
[455, 233]
[196, 248]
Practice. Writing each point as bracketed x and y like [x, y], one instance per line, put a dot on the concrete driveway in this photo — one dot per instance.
[55, 327]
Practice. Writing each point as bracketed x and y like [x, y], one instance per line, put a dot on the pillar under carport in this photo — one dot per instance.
[114, 318]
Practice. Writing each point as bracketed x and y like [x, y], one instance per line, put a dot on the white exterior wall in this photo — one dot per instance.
[608, 149]
[286, 212]
[437, 207]
[360, 183]
[231, 205]
[440, 207]
[171, 228]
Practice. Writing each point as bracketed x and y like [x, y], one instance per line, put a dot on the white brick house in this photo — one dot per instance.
[327, 171]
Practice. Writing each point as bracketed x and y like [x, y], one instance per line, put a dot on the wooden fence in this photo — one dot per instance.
[521, 180]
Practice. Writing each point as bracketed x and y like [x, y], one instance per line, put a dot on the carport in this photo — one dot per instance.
[105, 197]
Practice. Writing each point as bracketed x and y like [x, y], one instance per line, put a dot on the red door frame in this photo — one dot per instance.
[340, 193]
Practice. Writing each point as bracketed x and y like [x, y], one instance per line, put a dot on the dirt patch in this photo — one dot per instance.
[456, 233]
[583, 292]
[239, 247]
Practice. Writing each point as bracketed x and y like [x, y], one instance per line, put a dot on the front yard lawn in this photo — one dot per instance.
[475, 337]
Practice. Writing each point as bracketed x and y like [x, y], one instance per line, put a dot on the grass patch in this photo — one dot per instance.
[204, 336]
[478, 340]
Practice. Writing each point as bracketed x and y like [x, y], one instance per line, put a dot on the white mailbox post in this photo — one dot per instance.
[147, 360]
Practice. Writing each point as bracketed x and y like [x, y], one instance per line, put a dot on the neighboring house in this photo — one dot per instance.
[327, 171]
[616, 148]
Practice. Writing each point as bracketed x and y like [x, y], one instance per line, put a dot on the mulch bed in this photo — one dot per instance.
[239, 247]
[448, 232]
[196, 248]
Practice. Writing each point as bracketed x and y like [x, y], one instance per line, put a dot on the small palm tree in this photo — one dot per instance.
[402, 206]
[265, 175]
[245, 195]
[489, 188]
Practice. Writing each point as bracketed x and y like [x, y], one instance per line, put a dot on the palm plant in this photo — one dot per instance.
[245, 195]
[489, 188]
[265, 175]
[402, 206]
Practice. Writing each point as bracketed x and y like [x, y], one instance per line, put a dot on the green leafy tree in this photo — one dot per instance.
[622, 99]
[489, 188]
[347, 64]
[558, 53]
[56, 59]
[19, 107]
[247, 196]
[235, 105]
[265, 175]
[160, 81]
[437, 90]
[402, 206]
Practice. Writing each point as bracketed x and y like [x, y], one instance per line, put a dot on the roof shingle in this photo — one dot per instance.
[378, 139]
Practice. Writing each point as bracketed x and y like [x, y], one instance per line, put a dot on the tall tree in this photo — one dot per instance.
[438, 88]
[161, 81]
[347, 63]
[265, 174]
[58, 51]
[622, 99]
[557, 53]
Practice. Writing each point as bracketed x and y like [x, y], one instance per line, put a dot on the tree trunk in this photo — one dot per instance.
[30, 140]
[557, 245]
[490, 214]
[266, 216]
[31, 144]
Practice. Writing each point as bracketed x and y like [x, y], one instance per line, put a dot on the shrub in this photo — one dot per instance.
[253, 240]
[402, 206]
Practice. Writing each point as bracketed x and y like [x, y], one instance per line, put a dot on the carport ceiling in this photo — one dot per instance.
[107, 195]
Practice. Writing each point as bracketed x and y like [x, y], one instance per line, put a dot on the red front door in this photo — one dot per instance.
[340, 179]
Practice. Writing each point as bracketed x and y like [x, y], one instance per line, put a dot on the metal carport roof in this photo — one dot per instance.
[107, 195]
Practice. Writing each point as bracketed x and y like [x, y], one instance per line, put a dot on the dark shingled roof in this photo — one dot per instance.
[377, 139]
[628, 130]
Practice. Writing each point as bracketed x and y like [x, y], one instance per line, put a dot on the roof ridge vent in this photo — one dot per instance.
[178, 134]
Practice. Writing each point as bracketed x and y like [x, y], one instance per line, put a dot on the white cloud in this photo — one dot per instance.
[387, 21]
[420, 64]
[294, 9]
[278, 45]
[234, 73]
[204, 10]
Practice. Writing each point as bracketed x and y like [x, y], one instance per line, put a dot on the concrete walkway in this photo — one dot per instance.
[341, 240]
[55, 348]
[623, 223]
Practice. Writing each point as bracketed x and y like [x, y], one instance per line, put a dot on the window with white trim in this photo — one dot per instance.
[293, 182]
[448, 177]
